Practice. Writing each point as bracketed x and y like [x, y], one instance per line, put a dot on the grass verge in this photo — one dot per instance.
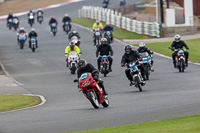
[162, 47]
[118, 32]
[13, 102]
[188, 124]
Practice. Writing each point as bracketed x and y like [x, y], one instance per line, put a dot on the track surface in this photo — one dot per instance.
[167, 94]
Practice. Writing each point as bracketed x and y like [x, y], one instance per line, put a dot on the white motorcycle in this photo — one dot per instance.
[72, 61]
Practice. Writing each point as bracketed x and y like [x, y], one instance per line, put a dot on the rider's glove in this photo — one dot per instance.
[187, 48]
[122, 65]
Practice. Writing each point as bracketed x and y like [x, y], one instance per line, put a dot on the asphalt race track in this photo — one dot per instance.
[167, 94]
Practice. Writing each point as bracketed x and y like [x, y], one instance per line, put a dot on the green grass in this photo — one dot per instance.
[162, 47]
[118, 32]
[189, 124]
[12, 102]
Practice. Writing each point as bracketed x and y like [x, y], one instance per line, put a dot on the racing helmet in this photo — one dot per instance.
[104, 41]
[72, 43]
[82, 64]
[128, 49]
[66, 15]
[177, 38]
[141, 44]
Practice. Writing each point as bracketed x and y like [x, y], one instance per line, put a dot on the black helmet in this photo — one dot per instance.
[82, 64]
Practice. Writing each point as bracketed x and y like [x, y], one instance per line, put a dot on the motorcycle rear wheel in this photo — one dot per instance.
[93, 99]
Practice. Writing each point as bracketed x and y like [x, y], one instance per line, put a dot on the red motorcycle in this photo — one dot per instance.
[92, 90]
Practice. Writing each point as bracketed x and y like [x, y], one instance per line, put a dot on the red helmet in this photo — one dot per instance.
[52, 17]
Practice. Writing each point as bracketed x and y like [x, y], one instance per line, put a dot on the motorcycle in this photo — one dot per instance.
[122, 3]
[146, 60]
[31, 20]
[180, 59]
[97, 33]
[108, 35]
[66, 27]
[72, 60]
[104, 65]
[75, 39]
[40, 18]
[21, 40]
[10, 22]
[92, 91]
[54, 28]
[105, 4]
[15, 24]
[136, 74]
[33, 44]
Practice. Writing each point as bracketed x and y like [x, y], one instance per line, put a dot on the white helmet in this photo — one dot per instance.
[142, 44]
[66, 15]
[21, 28]
[103, 39]
[32, 29]
[72, 43]
[177, 38]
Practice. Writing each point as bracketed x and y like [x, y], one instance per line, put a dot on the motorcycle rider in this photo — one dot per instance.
[66, 19]
[31, 13]
[142, 49]
[10, 16]
[84, 67]
[15, 18]
[39, 14]
[33, 34]
[71, 47]
[21, 31]
[129, 56]
[51, 21]
[74, 33]
[97, 24]
[108, 27]
[178, 43]
[104, 49]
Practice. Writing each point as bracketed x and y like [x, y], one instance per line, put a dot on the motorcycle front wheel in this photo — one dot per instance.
[138, 84]
[106, 102]
[93, 99]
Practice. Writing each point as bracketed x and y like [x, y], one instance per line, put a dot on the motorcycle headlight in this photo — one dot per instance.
[83, 84]
[88, 82]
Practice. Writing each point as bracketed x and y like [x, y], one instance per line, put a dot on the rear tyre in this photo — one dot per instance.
[93, 99]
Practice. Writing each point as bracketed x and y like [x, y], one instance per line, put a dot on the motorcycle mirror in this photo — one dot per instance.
[75, 80]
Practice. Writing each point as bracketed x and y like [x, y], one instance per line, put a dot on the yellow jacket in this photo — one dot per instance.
[76, 49]
[95, 25]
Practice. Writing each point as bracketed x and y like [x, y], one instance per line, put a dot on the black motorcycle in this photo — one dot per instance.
[108, 36]
[104, 65]
[33, 44]
[31, 20]
[40, 18]
[10, 23]
[54, 28]
[66, 27]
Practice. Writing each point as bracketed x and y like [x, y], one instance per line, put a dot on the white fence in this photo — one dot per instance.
[115, 18]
